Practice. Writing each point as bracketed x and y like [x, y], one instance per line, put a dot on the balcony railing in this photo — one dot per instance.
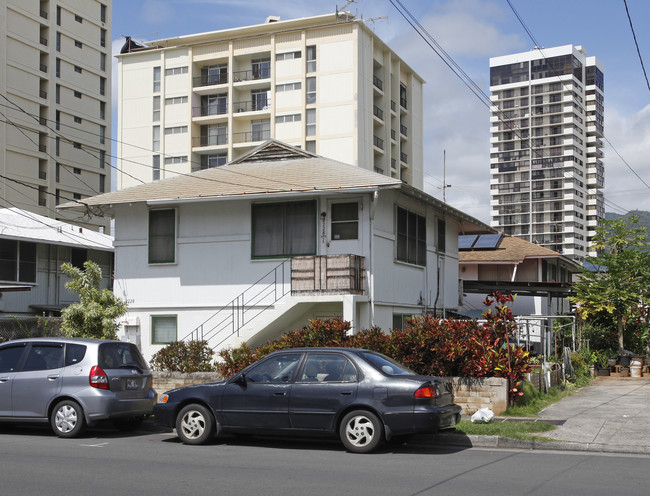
[393, 106]
[206, 110]
[43, 40]
[210, 80]
[251, 75]
[251, 136]
[404, 157]
[378, 83]
[403, 103]
[251, 106]
[43, 67]
[403, 130]
[42, 174]
[218, 140]
[377, 112]
[378, 142]
[42, 94]
[393, 134]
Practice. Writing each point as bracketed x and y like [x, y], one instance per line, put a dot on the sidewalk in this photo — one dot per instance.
[610, 415]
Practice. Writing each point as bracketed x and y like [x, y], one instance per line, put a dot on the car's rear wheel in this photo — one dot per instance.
[361, 431]
[67, 419]
[195, 424]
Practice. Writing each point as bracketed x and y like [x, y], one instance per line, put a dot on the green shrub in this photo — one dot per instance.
[184, 356]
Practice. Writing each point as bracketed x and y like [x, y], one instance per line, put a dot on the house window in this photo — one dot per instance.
[163, 329]
[442, 234]
[345, 221]
[411, 237]
[162, 236]
[284, 229]
[17, 261]
[311, 58]
[78, 257]
[156, 79]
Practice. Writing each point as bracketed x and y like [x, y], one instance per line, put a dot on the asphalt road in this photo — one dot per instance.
[34, 462]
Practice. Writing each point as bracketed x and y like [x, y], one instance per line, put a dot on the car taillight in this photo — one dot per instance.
[98, 378]
[427, 392]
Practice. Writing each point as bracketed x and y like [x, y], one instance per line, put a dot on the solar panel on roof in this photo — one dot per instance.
[486, 241]
[466, 241]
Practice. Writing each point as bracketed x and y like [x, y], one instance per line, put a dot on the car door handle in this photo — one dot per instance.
[52, 377]
[4, 379]
[346, 393]
[280, 394]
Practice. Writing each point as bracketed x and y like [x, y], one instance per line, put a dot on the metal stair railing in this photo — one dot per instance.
[253, 301]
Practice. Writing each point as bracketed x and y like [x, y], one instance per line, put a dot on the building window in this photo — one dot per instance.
[58, 67]
[176, 160]
[311, 58]
[156, 79]
[175, 71]
[260, 129]
[102, 12]
[345, 221]
[442, 236]
[156, 167]
[311, 122]
[261, 68]
[102, 110]
[163, 329]
[76, 196]
[17, 261]
[77, 69]
[102, 134]
[58, 15]
[288, 55]
[176, 100]
[288, 87]
[284, 229]
[162, 236]
[155, 142]
[216, 160]
[214, 74]
[78, 18]
[102, 85]
[102, 61]
[311, 90]
[58, 41]
[281, 119]
[102, 183]
[411, 237]
[156, 108]
[77, 145]
[76, 170]
[57, 172]
[176, 130]
[78, 44]
[102, 37]
[310, 146]
[102, 158]
[77, 94]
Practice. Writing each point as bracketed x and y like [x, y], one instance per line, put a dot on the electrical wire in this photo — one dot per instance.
[636, 43]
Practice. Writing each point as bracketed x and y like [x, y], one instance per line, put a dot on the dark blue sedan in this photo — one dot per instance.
[362, 396]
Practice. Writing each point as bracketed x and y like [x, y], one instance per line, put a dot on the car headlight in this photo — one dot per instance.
[163, 398]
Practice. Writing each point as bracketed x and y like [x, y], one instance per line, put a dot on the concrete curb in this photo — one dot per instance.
[473, 441]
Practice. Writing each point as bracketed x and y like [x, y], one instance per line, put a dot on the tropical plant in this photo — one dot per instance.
[184, 356]
[96, 313]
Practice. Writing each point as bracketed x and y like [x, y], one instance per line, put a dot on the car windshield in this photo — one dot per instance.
[386, 365]
[120, 355]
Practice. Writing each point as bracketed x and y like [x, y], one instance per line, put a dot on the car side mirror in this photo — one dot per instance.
[240, 379]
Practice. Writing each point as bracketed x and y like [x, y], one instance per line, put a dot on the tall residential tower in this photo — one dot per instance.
[546, 147]
[325, 83]
[55, 101]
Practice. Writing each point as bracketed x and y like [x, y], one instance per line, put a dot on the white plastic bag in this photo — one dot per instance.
[482, 416]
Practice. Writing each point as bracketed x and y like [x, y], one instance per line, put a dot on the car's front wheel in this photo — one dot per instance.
[361, 431]
[67, 419]
[195, 424]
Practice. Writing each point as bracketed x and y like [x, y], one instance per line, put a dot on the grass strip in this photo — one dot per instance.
[514, 430]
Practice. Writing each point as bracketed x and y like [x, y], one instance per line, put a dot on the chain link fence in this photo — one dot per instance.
[16, 327]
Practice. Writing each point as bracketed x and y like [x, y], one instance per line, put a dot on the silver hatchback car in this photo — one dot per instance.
[73, 383]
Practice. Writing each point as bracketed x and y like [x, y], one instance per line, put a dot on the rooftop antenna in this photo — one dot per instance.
[444, 176]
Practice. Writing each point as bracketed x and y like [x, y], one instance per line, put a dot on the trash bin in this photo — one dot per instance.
[624, 357]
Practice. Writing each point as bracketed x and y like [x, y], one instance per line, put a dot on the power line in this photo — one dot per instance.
[636, 43]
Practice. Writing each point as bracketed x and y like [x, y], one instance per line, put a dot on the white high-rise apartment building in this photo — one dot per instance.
[55, 100]
[546, 147]
[325, 83]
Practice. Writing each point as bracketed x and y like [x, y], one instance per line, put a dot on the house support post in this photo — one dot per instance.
[350, 312]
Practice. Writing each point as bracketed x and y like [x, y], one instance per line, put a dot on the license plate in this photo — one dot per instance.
[132, 384]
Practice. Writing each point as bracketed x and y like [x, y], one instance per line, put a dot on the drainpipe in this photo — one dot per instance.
[371, 262]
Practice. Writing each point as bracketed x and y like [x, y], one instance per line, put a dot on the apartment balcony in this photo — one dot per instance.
[403, 130]
[206, 114]
[378, 143]
[594, 151]
[252, 106]
[378, 113]
[403, 158]
[209, 81]
[378, 83]
[250, 137]
[209, 141]
[253, 79]
[393, 106]
[327, 274]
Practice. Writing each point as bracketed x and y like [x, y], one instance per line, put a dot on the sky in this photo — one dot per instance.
[456, 122]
